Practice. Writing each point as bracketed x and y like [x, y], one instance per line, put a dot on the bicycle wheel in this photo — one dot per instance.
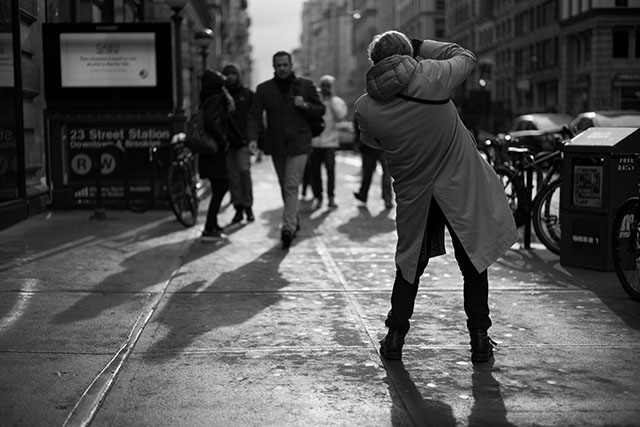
[625, 249]
[514, 190]
[183, 197]
[546, 216]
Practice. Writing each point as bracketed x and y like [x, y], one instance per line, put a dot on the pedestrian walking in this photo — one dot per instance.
[239, 156]
[324, 145]
[215, 104]
[370, 159]
[439, 178]
[289, 102]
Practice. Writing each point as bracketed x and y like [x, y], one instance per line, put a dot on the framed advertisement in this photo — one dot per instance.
[107, 66]
[587, 186]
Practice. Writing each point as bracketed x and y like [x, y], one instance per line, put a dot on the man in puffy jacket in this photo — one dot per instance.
[288, 102]
[439, 178]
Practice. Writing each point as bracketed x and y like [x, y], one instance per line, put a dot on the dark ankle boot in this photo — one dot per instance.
[238, 216]
[249, 213]
[481, 346]
[391, 345]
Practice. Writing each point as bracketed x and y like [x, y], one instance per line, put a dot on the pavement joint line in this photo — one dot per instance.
[285, 291]
[331, 265]
[91, 399]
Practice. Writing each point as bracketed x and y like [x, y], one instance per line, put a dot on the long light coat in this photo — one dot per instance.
[431, 154]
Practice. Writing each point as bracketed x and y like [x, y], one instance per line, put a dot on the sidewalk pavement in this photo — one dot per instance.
[132, 320]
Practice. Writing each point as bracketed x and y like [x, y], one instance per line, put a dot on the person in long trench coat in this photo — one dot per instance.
[439, 178]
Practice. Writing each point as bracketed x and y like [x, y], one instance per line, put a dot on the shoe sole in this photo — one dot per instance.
[394, 355]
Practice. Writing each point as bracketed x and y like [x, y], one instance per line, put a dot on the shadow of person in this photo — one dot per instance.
[410, 408]
[198, 308]
[363, 226]
[143, 269]
[488, 406]
[309, 223]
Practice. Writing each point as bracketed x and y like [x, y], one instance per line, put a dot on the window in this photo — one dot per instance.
[622, 3]
[620, 43]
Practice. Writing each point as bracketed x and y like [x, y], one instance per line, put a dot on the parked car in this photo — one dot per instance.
[538, 132]
[607, 118]
[346, 134]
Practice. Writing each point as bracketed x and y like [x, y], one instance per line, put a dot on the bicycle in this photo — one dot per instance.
[181, 182]
[625, 242]
[543, 210]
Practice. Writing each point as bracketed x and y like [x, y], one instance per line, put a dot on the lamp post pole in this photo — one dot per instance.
[177, 6]
[203, 38]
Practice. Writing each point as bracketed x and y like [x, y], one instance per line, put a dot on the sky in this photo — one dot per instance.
[275, 25]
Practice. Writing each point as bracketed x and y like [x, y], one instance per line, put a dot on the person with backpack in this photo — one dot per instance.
[324, 145]
[291, 104]
[215, 103]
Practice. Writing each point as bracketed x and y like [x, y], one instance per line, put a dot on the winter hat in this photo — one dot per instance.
[327, 78]
[232, 67]
[387, 44]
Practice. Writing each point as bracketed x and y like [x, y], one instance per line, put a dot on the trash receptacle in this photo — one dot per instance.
[598, 174]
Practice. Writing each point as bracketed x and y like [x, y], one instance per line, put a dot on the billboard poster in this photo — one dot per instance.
[108, 60]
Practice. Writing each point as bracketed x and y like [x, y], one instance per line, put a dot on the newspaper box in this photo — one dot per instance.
[598, 175]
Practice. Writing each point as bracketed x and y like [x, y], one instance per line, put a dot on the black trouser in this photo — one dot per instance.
[370, 158]
[326, 156]
[219, 188]
[476, 288]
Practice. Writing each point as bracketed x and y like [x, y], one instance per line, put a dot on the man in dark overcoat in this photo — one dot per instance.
[282, 107]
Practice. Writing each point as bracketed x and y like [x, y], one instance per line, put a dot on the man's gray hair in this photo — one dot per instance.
[387, 44]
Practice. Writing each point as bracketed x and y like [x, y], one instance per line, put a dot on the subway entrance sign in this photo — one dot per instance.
[109, 153]
[109, 94]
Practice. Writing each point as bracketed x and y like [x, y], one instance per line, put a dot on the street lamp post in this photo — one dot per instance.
[177, 6]
[203, 39]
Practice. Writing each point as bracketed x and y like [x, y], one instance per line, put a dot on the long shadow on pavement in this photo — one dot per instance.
[198, 308]
[140, 271]
[408, 401]
[488, 405]
[363, 226]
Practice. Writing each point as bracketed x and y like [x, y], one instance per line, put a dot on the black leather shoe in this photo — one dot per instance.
[391, 345]
[249, 213]
[481, 346]
[287, 237]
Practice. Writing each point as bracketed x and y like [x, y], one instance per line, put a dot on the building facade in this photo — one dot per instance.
[33, 163]
[562, 56]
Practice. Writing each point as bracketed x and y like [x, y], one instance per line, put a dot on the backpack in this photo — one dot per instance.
[197, 138]
[316, 124]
